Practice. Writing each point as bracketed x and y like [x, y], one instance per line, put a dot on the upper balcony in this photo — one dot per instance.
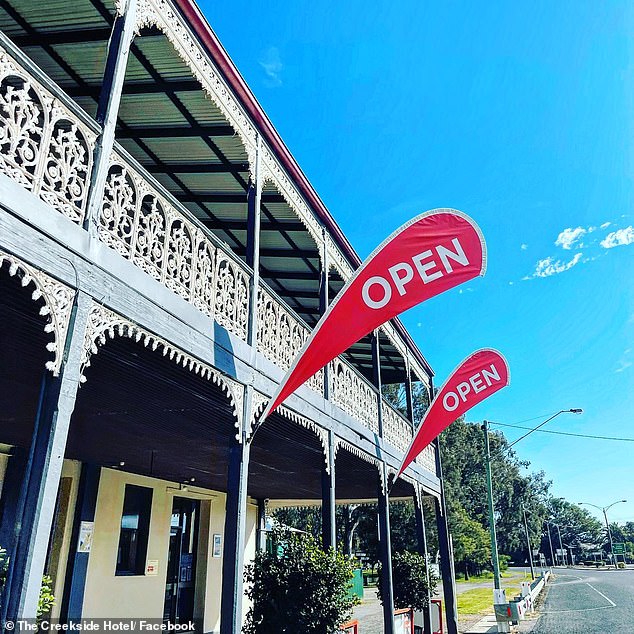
[190, 162]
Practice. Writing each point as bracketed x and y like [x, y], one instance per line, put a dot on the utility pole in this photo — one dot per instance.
[528, 543]
[550, 541]
[564, 559]
[494, 543]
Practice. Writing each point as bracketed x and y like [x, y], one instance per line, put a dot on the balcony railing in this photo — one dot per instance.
[147, 226]
[47, 145]
[44, 146]
[397, 430]
[350, 391]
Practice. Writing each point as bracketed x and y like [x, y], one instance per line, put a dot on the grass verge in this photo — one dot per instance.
[480, 600]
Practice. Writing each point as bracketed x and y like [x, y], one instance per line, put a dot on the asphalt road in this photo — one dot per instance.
[588, 602]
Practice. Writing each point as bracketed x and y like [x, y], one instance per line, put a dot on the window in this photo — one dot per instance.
[135, 529]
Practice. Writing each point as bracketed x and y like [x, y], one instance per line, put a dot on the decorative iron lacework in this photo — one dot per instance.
[43, 146]
[350, 392]
[141, 225]
[427, 459]
[337, 261]
[396, 429]
[104, 324]
[58, 304]
[281, 336]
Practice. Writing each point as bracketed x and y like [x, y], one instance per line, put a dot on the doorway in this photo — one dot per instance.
[180, 583]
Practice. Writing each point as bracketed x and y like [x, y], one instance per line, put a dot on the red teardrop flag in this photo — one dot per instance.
[476, 378]
[428, 255]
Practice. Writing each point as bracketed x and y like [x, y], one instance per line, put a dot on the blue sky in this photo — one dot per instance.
[519, 114]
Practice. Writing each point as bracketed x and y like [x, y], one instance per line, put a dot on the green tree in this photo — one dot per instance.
[411, 586]
[577, 526]
[471, 542]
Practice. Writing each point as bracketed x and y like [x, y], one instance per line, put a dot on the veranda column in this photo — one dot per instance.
[324, 298]
[446, 555]
[43, 472]
[385, 545]
[123, 32]
[385, 551]
[261, 527]
[421, 538]
[238, 469]
[328, 517]
[409, 394]
[328, 523]
[235, 529]
[77, 568]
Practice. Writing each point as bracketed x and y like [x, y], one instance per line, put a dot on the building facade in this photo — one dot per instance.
[163, 259]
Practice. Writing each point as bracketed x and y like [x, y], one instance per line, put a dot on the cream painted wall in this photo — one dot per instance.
[70, 469]
[107, 595]
[142, 596]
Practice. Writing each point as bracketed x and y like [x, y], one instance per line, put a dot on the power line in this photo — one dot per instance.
[565, 433]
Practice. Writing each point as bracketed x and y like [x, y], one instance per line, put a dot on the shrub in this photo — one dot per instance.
[621, 564]
[298, 588]
[409, 579]
[504, 560]
[45, 601]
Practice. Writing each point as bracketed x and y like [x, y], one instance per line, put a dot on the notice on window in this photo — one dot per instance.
[217, 551]
[86, 530]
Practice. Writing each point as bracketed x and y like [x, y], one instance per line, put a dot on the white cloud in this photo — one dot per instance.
[524, 247]
[271, 62]
[619, 238]
[568, 237]
[549, 266]
[605, 225]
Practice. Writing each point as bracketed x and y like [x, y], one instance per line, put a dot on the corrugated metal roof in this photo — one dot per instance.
[163, 56]
[212, 183]
[150, 111]
[58, 15]
[178, 150]
[87, 59]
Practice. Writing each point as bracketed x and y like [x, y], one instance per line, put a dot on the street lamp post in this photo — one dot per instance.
[604, 510]
[498, 593]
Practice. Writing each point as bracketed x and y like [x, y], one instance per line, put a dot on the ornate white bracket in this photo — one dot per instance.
[104, 324]
[58, 303]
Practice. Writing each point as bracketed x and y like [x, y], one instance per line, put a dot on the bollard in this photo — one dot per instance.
[502, 610]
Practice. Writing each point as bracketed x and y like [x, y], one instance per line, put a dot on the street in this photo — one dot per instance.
[589, 601]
